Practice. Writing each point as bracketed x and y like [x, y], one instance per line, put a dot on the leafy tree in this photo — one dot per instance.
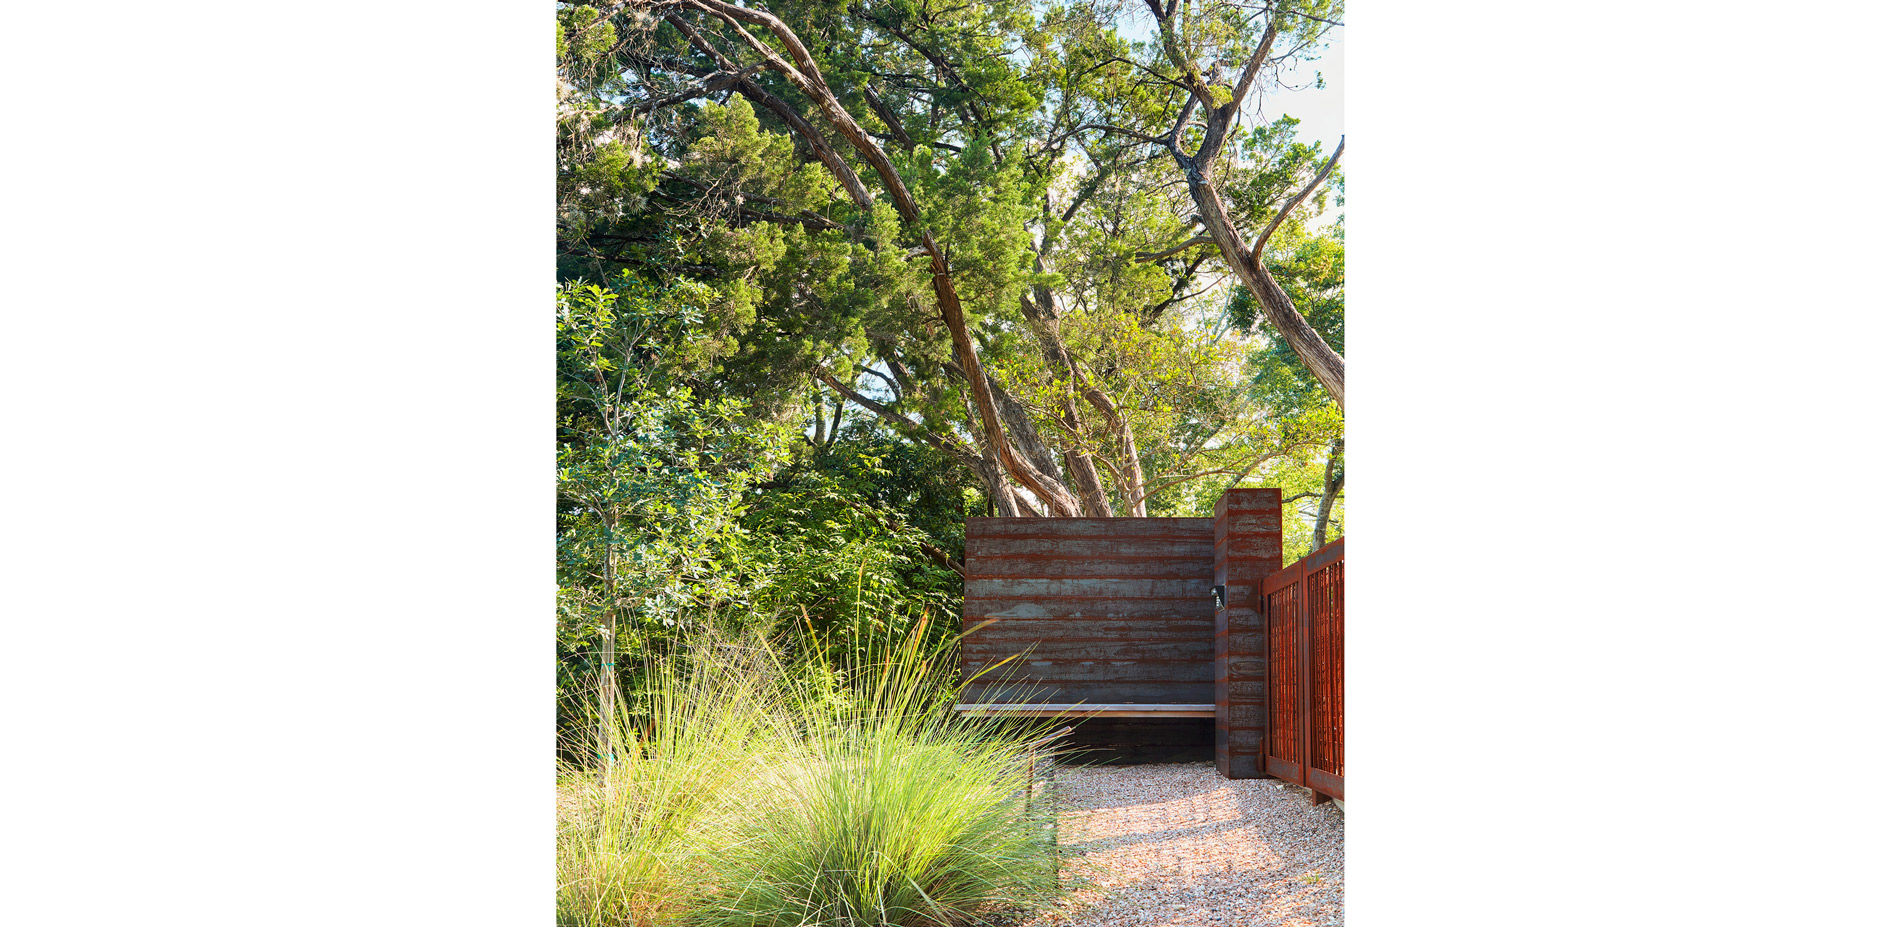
[1213, 56]
[681, 515]
[953, 217]
[864, 542]
[650, 478]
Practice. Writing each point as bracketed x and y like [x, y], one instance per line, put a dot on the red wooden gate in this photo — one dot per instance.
[1304, 607]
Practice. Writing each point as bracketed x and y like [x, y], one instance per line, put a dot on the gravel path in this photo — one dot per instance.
[1176, 844]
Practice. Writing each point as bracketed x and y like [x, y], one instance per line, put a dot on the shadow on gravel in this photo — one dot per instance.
[1209, 829]
[1073, 802]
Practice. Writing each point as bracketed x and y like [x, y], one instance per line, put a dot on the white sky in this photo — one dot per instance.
[1322, 113]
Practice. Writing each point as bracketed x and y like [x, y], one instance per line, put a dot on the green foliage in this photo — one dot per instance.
[991, 114]
[652, 477]
[581, 34]
[679, 513]
[850, 535]
[978, 208]
[1311, 270]
[603, 184]
[752, 790]
[602, 172]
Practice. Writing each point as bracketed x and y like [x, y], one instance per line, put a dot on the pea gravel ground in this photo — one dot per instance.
[1176, 844]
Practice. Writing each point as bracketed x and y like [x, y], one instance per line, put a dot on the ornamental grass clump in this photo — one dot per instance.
[635, 844]
[893, 832]
[891, 811]
[766, 794]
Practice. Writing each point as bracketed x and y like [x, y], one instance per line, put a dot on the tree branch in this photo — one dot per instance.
[1253, 65]
[1158, 255]
[1335, 480]
[1121, 131]
[1287, 210]
[888, 116]
[1127, 472]
[854, 188]
[896, 391]
[1317, 19]
[944, 67]
[1173, 143]
[713, 83]
[733, 13]
[915, 431]
[1164, 26]
[805, 217]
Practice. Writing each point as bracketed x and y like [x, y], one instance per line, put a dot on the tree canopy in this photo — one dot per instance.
[835, 275]
[996, 227]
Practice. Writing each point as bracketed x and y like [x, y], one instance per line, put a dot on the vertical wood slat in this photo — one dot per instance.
[1303, 619]
[1281, 599]
[1303, 612]
[1326, 618]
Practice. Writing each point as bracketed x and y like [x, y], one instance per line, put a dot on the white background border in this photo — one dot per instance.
[277, 559]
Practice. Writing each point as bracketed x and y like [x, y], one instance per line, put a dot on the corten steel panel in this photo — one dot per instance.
[1095, 608]
[1101, 610]
[1032, 588]
[1118, 628]
[1283, 769]
[1246, 550]
[1326, 783]
[1087, 673]
[1283, 674]
[1305, 653]
[1183, 649]
[1195, 566]
[1085, 693]
[1186, 529]
[1326, 617]
[1101, 548]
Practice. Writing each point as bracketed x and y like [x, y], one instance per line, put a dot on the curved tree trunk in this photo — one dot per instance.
[1334, 482]
[1041, 314]
[802, 72]
[1023, 431]
[1002, 492]
[1128, 473]
[1319, 357]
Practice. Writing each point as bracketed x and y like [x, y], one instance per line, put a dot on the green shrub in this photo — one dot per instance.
[767, 794]
[632, 844]
[894, 832]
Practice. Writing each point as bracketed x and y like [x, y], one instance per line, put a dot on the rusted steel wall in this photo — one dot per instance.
[1247, 549]
[1111, 610]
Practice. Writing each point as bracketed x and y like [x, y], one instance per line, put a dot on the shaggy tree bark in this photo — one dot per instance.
[1319, 357]
[1023, 431]
[801, 71]
[1334, 482]
[1127, 471]
[1044, 323]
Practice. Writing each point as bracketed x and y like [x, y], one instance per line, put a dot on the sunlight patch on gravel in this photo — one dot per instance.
[1180, 846]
